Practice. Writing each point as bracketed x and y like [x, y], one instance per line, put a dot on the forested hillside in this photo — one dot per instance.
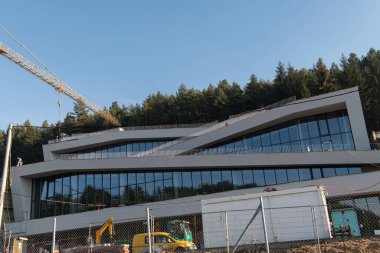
[216, 102]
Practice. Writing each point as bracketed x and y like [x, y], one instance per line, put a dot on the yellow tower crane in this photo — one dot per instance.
[54, 82]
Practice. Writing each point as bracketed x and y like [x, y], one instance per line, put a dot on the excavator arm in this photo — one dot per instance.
[108, 224]
[54, 82]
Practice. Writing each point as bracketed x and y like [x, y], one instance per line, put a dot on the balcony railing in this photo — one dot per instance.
[132, 128]
[221, 151]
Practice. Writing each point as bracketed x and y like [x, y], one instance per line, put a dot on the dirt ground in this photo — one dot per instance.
[350, 246]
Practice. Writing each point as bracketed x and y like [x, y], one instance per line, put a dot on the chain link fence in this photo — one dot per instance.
[349, 224]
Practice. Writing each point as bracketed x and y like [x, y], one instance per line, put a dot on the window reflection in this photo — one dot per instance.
[117, 150]
[258, 176]
[270, 177]
[72, 193]
[281, 176]
[312, 134]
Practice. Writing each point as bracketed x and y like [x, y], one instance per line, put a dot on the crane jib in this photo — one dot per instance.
[54, 82]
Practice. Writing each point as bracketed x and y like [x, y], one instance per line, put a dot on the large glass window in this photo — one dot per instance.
[177, 184]
[328, 172]
[248, 178]
[281, 176]
[270, 177]
[72, 193]
[333, 124]
[237, 179]
[207, 182]
[217, 180]
[284, 135]
[168, 185]
[316, 173]
[227, 180]
[158, 186]
[304, 132]
[187, 183]
[265, 139]
[313, 129]
[304, 174]
[327, 132]
[66, 186]
[117, 150]
[293, 175]
[275, 137]
[258, 176]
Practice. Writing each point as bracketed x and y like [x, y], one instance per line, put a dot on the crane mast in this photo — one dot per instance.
[54, 82]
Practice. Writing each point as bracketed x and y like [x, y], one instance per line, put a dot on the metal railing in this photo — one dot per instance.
[197, 134]
[221, 151]
[131, 128]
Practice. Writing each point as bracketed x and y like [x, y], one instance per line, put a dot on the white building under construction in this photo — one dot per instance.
[84, 178]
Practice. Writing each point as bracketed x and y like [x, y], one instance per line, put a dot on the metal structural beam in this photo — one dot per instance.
[4, 179]
[54, 82]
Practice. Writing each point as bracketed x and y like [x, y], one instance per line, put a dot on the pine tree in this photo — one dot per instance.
[370, 90]
[334, 80]
[280, 82]
[352, 74]
[322, 75]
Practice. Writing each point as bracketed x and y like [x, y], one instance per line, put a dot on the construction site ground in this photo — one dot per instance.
[353, 245]
[370, 245]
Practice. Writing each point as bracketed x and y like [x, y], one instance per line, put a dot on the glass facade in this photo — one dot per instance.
[324, 132]
[119, 150]
[74, 193]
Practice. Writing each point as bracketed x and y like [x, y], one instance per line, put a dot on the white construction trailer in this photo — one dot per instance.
[290, 215]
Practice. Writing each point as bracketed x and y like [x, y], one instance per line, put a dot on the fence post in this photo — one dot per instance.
[148, 224]
[54, 230]
[316, 234]
[9, 240]
[264, 224]
[227, 236]
[90, 240]
[4, 231]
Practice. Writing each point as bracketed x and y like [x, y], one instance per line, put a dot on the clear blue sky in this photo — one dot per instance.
[123, 50]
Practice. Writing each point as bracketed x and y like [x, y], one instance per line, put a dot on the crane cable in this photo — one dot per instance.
[45, 66]
[59, 114]
[29, 51]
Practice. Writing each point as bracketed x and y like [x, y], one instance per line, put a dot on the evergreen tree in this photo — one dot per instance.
[209, 111]
[352, 74]
[322, 75]
[116, 111]
[301, 84]
[280, 82]
[221, 99]
[370, 89]
[25, 143]
[334, 80]
[236, 98]
[252, 93]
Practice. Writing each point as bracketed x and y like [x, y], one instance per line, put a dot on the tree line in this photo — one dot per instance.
[216, 102]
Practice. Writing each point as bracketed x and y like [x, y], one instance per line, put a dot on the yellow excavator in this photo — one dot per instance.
[108, 224]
